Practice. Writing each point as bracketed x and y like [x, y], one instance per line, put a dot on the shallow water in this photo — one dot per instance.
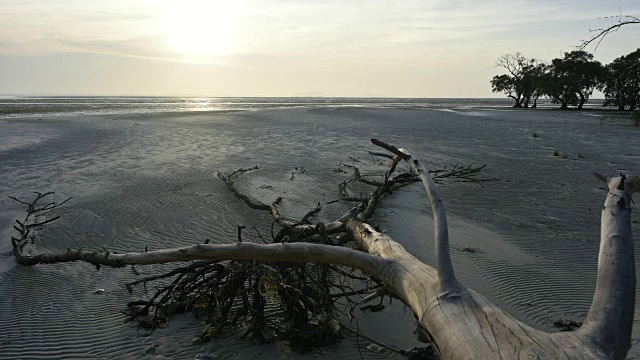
[149, 180]
[60, 106]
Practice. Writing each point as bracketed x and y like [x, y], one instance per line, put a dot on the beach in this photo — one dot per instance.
[149, 180]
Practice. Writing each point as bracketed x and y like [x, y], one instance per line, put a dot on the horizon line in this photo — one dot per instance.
[244, 96]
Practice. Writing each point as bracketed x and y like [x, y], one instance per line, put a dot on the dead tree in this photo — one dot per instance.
[597, 35]
[461, 323]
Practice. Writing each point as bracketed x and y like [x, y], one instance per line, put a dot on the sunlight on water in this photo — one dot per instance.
[29, 107]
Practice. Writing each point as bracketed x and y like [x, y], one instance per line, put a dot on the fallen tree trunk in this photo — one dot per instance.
[462, 323]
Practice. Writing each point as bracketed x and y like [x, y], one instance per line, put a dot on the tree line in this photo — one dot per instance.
[570, 80]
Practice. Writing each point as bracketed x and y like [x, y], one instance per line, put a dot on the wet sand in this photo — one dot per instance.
[149, 180]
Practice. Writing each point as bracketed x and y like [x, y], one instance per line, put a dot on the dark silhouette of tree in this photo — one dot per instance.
[517, 83]
[506, 84]
[622, 82]
[572, 79]
[533, 80]
[557, 88]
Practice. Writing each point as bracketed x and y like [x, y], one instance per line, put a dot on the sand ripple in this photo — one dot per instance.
[149, 181]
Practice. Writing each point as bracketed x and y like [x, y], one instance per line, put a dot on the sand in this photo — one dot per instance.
[149, 180]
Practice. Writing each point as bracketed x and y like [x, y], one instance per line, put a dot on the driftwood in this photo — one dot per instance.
[461, 323]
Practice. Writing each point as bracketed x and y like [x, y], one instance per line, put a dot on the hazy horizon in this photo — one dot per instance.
[279, 48]
[495, 96]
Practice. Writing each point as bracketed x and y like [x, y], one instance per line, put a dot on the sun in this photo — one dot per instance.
[200, 28]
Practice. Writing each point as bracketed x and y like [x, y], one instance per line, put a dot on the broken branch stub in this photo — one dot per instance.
[461, 323]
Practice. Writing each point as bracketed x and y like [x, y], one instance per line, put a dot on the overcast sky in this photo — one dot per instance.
[427, 48]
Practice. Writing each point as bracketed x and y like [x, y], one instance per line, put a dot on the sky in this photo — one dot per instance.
[370, 48]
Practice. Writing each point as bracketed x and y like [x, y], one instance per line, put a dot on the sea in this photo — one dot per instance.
[37, 106]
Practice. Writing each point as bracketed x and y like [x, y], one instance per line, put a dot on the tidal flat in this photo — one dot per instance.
[149, 180]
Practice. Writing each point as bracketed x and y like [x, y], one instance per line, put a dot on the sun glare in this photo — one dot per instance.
[200, 28]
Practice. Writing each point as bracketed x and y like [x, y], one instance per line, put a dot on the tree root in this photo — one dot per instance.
[248, 287]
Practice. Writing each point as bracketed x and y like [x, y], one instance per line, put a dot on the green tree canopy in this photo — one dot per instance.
[517, 83]
[572, 79]
[622, 82]
[533, 82]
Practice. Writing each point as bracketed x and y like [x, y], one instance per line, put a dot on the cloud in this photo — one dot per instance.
[288, 46]
[285, 27]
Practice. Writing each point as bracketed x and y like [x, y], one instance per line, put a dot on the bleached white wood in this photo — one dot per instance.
[610, 317]
[462, 323]
[446, 274]
[294, 252]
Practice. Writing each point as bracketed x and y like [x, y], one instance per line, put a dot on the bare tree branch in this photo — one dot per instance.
[600, 33]
[230, 282]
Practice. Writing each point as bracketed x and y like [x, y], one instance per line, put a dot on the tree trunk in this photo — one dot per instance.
[518, 101]
[583, 100]
[611, 312]
[462, 323]
[621, 104]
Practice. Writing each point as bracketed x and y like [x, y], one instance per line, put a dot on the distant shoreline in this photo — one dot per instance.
[57, 106]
